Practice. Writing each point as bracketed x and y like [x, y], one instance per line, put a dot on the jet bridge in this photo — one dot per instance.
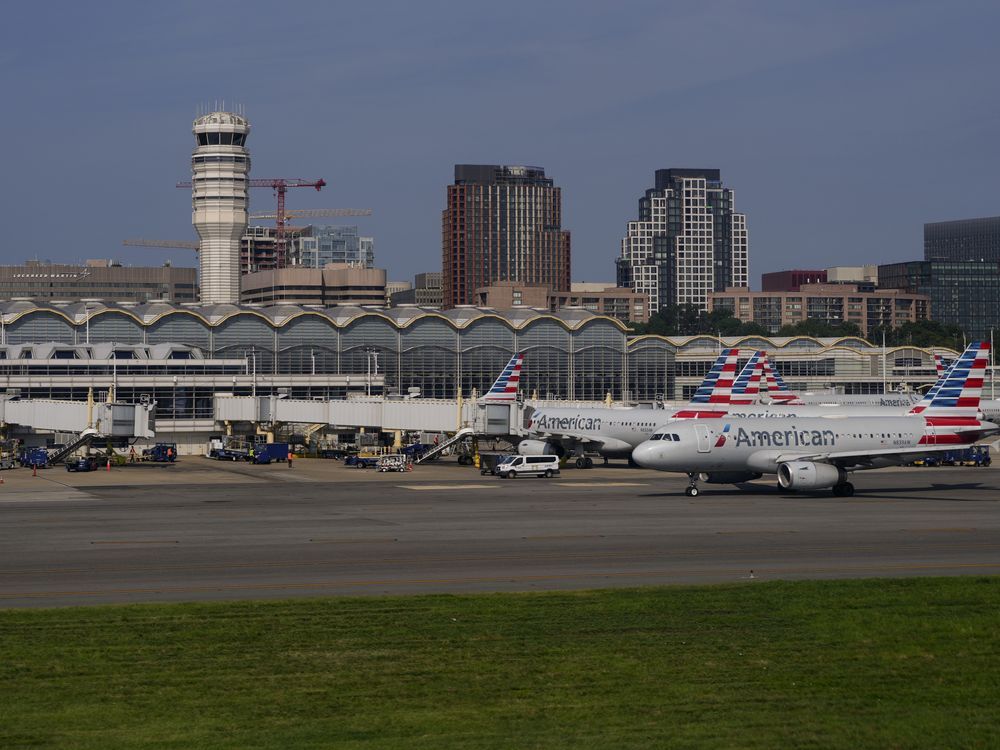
[103, 419]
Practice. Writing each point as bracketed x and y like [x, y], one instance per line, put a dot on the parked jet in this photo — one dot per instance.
[819, 452]
[613, 433]
[504, 390]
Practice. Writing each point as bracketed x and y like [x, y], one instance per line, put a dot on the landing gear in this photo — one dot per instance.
[692, 489]
[584, 462]
[844, 489]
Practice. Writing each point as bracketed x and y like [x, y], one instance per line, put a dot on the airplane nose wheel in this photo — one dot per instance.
[692, 489]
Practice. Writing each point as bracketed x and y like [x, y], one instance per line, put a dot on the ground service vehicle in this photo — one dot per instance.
[265, 453]
[393, 462]
[527, 466]
[83, 463]
[361, 462]
[8, 454]
[160, 453]
[35, 458]
[489, 462]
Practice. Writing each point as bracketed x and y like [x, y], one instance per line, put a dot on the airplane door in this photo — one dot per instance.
[704, 441]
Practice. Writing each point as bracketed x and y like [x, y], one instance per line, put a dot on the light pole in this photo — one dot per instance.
[173, 404]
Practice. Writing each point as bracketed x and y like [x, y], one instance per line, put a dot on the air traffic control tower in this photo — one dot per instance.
[220, 165]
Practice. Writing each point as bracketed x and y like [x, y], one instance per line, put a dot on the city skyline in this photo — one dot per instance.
[839, 132]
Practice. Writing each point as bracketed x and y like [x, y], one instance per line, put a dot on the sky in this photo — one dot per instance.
[841, 126]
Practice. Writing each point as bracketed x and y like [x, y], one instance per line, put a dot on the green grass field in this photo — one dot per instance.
[840, 664]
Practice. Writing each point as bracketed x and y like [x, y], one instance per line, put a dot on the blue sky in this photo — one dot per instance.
[843, 127]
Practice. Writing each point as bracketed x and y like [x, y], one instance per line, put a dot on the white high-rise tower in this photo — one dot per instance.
[220, 165]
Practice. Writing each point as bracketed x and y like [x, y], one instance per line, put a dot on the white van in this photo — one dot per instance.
[539, 466]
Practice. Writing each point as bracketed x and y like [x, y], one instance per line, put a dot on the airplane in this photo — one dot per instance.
[611, 432]
[819, 452]
[504, 389]
[779, 393]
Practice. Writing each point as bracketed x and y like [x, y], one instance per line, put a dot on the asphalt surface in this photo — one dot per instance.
[203, 530]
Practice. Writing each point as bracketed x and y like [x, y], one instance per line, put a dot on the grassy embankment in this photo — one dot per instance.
[897, 663]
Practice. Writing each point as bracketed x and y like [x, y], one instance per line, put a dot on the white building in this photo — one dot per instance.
[687, 242]
[220, 166]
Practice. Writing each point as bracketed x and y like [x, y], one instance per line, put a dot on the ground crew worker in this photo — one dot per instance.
[251, 454]
[131, 455]
[170, 453]
[290, 456]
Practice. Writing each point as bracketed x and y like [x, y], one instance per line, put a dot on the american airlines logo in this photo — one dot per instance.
[784, 438]
[544, 422]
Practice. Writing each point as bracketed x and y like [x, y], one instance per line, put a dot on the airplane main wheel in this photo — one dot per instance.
[588, 463]
[844, 489]
[691, 491]
[581, 463]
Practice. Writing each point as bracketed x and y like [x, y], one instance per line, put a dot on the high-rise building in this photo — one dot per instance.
[963, 240]
[318, 245]
[962, 293]
[220, 166]
[688, 241]
[502, 223]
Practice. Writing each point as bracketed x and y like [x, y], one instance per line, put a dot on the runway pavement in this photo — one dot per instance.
[206, 530]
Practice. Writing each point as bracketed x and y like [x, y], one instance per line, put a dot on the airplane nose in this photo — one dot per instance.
[643, 453]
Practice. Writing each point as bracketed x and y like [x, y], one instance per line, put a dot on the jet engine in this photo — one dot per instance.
[539, 448]
[729, 477]
[808, 475]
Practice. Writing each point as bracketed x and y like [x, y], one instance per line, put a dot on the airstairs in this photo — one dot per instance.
[464, 434]
[85, 438]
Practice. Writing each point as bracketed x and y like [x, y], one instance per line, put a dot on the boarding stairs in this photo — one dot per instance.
[85, 438]
[464, 434]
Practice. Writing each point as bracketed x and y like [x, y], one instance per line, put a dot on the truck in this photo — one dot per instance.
[229, 448]
[160, 453]
[35, 458]
[265, 453]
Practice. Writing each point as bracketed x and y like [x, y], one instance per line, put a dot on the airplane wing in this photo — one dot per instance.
[592, 440]
[860, 457]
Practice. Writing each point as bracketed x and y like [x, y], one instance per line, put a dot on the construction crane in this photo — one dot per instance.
[312, 213]
[182, 244]
[280, 186]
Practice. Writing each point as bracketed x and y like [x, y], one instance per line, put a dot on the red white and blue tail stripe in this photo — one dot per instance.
[776, 388]
[505, 387]
[746, 388]
[957, 393]
[717, 387]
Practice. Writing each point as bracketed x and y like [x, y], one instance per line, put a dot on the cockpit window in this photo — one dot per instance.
[677, 437]
[657, 436]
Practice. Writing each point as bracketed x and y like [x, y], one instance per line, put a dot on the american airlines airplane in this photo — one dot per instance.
[809, 452]
[887, 403]
[613, 433]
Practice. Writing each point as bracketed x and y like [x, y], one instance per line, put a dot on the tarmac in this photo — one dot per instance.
[205, 530]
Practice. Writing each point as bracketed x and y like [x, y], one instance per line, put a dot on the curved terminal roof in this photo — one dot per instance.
[78, 313]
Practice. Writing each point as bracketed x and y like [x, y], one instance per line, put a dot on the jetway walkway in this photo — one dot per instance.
[106, 420]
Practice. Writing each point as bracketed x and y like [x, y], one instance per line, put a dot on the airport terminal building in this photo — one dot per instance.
[182, 355]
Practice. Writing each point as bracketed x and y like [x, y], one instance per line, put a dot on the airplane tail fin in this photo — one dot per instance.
[776, 388]
[747, 386]
[717, 387]
[958, 391]
[505, 387]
